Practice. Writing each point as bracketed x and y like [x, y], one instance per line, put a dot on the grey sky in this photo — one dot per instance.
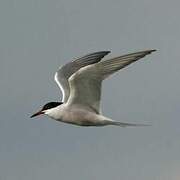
[37, 36]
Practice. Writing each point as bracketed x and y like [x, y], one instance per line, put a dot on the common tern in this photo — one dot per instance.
[80, 82]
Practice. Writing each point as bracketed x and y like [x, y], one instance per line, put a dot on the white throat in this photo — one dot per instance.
[54, 113]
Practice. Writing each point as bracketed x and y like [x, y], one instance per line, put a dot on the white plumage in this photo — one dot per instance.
[80, 82]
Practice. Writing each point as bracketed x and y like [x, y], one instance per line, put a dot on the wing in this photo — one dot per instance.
[85, 84]
[64, 72]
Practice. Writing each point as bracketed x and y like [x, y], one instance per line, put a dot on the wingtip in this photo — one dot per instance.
[152, 50]
[105, 52]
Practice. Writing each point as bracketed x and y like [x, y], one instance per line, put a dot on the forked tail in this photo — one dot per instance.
[122, 124]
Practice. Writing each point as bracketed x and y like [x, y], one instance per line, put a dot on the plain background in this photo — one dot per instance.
[37, 36]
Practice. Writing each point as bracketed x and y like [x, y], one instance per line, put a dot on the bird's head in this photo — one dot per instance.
[47, 107]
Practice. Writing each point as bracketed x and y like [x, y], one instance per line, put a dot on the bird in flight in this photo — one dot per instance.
[80, 82]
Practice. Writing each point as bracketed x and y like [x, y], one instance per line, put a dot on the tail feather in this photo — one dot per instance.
[122, 124]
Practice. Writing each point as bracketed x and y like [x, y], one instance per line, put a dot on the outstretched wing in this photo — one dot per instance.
[85, 84]
[64, 72]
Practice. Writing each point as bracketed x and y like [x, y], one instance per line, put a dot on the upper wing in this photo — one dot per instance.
[64, 72]
[85, 84]
[110, 66]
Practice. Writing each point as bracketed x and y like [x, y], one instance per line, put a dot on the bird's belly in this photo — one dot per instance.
[81, 117]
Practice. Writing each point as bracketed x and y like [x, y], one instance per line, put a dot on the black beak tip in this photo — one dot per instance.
[32, 116]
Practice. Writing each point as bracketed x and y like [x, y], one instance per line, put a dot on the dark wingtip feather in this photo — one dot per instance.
[106, 52]
[150, 51]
